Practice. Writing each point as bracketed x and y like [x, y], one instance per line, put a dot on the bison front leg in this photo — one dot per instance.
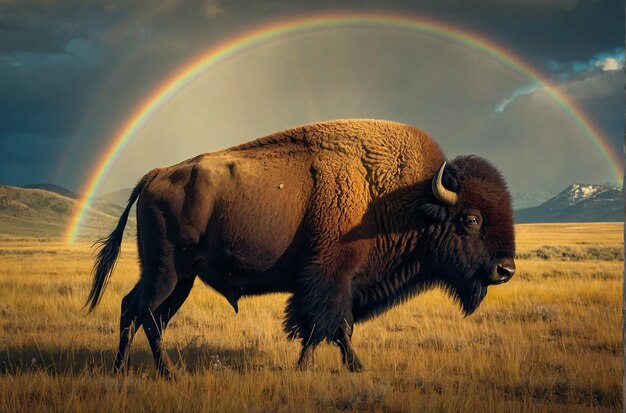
[323, 297]
[297, 324]
[344, 341]
[316, 309]
[307, 357]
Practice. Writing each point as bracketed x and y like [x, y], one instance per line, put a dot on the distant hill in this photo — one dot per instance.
[53, 188]
[119, 198]
[578, 203]
[40, 213]
[112, 204]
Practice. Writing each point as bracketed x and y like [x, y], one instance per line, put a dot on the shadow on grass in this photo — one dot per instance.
[193, 359]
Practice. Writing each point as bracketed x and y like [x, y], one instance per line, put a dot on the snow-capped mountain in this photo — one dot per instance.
[578, 203]
[578, 192]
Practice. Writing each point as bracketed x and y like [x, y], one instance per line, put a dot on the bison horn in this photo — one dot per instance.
[441, 193]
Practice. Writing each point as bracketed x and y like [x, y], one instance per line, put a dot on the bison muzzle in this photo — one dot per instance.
[351, 217]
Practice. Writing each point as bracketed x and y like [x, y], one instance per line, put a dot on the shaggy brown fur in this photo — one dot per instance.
[341, 214]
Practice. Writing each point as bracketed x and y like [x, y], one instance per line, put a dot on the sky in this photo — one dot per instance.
[72, 73]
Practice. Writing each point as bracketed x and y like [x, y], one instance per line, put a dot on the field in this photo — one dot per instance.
[549, 340]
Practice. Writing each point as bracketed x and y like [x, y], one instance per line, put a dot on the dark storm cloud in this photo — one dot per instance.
[32, 148]
[43, 97]
[602, 98]
[539, 30]
[36, 30]
[597, 87]
[27, 158]
[542, 30]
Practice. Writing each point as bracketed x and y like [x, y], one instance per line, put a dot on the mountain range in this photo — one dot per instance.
[578, 203]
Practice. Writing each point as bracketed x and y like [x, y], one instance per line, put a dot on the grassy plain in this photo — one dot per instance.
[548, 341]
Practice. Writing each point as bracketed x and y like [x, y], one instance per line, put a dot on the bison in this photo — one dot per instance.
[351, 217]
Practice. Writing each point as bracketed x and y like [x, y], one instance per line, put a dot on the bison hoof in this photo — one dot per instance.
[121, 369]
[165, 372]
[305, 363]
[304, 366]
[355, 366]
[306, 360]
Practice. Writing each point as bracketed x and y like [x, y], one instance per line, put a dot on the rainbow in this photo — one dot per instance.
[233, 46]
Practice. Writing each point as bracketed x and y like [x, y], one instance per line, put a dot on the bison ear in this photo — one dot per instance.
[436, 212]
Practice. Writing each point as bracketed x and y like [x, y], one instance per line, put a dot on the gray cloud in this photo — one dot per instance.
[598, 85]
[213, 9]
[566, 151]
[38, 26]
[538, 147]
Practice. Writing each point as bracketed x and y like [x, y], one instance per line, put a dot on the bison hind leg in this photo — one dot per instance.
[129, 323]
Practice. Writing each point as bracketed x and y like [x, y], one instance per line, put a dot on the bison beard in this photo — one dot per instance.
[352, 217]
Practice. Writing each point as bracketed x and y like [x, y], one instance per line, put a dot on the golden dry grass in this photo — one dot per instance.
[549, 340]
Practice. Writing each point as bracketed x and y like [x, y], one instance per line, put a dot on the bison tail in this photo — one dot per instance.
[109, 248]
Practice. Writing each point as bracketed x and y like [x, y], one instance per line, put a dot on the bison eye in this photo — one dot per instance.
[471, 221]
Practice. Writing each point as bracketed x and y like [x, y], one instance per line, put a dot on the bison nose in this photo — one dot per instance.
[503, 271]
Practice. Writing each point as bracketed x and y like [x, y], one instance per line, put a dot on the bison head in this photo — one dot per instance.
[469, 228]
